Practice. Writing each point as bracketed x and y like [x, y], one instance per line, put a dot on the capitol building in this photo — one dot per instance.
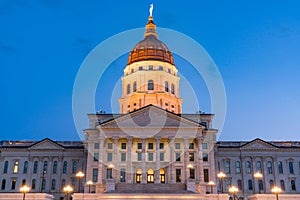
[150, 150]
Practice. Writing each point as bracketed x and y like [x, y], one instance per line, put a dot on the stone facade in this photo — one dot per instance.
[46, 166]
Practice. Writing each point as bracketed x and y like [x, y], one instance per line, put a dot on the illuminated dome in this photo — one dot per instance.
[150, 48]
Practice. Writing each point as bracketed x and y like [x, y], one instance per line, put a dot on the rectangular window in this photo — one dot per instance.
[204, 146]
[150, 145]
[191, 146]
[109, 156]
[161, 156]
[206, 175]
[150, 156]
[123, 175]
[140, 68]
[108, 173]
[139, 156]
[95, 175]
[205, 157]
[169, 71]
[177, 157]
[160, 68]
[150, 67]
[177, 145]
[192, 173]
[96, 157]
[178, 175]
[109, 146]
[161, 146]
[96, 146]
[123, 157]
[139, 145]
[237, 167]
[123, 145]
[192, 157]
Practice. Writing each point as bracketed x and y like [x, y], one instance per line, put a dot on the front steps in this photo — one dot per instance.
[178, 188]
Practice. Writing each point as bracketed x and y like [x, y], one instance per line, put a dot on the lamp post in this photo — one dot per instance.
[259, 176]
[233, 190]
[211, 184]
[79, 175]
[24, 189]
[68, 189]
[221, 176]
[276, 190]
[89, 183]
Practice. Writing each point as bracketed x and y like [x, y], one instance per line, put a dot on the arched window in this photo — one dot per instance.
[128, 89]
[291, 167]
[258, 166]
[23, 182]
[166, 86]
[250, 185]
[227, 167]
[54, 170]
[65, 167]
[13, 184]
[63, 183]
[240, 186]
[33, 183]
[53, 184]
[25, 169]
[237, 167]
[45, 166]
[16, 167]
[74, 168]
[269, 167]
[282, 184]
[261, 185]
[43, 184]
[3, 184]
[35, 167]
[271, 184]
[172, 89]
[293, 185]
[280, 169]
[134, 86]
[248, 167]
[150, 85]
[5, 167]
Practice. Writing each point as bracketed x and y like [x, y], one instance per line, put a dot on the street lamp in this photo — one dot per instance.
[68, 189]
[276, 190]
[89, 183]
[259, 176]
[221, 176]
[211, 184]
[24, 189]
[79, 175]
[233, 190]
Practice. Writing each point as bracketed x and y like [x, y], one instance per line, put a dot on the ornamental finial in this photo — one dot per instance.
[151, 9]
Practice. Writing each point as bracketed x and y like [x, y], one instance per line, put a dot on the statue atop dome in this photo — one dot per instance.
[151, 9]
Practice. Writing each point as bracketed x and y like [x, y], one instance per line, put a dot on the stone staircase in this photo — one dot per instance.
[178, 188]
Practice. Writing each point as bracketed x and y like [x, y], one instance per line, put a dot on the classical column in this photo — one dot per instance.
[144, 173]
[157, 161]
[200, 159]
[101, 160]
[129, 162]
[115, 159]
[172, 169]
[185, 159]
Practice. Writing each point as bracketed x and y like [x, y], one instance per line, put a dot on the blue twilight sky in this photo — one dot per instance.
[255, 44]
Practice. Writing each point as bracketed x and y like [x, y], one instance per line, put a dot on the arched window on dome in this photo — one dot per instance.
[128, 89]
[172, 89]
[150, 85]
[166, 86]
[134, 86]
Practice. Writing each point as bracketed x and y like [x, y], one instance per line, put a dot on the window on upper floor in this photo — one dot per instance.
[166, 86]
[161, 156]
[150, 145]
[74, 167]
[140, 68]
[291, 167]
[191, 157]
[150, 156]
[204, 146]
[96, 146]
[139, 145]
[177, 145]
[95, 175]
[169, 71]
[150, 67]
[258, 166]
[128, 89]
[109, 157]
[160, 68]
[227, 167]
[25, 168]
[54, 170]
[109, 146]
[123, 157]
[139, 156]
[177, 157]
[16, 167]
[134, 86]
[172, 89]
[35, 167]
[238, 167]
[205, 157]
[96, 157]
[65, 166]
[280, 168]
[161, 145]
[5, 167]
[269, 167]
[150, 85]
[248, 167]
[191, 146]
[123, 145]
[45, 166]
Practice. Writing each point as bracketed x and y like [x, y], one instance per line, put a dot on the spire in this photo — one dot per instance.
[150, 27]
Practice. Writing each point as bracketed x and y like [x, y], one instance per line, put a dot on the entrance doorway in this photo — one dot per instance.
[138, 178]
[150, 176]
[162, 175]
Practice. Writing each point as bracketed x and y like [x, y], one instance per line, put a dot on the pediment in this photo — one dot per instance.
[46, 144]
[151, 117]
[258, 144]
